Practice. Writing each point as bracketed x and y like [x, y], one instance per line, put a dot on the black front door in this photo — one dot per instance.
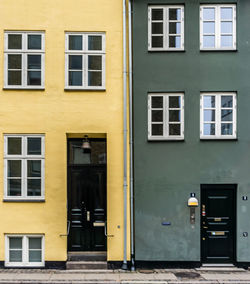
[87, 197]
[218, 209]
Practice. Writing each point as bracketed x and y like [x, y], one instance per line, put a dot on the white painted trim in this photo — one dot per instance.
[25, 251]
[217, 21]
[165, 28]
[218, 122]
[165, 110]
[24, 157]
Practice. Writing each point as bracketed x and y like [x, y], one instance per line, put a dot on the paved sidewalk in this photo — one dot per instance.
[160, 276]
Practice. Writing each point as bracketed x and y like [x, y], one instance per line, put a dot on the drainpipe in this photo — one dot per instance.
[131, 137]
[125, 264]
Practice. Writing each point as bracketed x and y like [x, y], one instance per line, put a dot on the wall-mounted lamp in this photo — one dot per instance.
[86, 147]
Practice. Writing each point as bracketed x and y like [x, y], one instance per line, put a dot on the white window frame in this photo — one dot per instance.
[25, 251]
[85, 53]
[166, 135]
[24, 157]
[218, 121]
[165, 28]
[218, 27]
[24, 52]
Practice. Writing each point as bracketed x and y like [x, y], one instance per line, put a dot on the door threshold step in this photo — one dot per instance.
[87, 256]
[217, 265]
[78, 265]
[220, 269]
[86, 271]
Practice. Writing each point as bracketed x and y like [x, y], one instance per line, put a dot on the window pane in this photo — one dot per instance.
[208, 27]
[157, 41]
[209, 115]
[157, 102]
[14, 187]
[208, 14]
[95, 43]
[157, 28]
[174, 28]
[34, 61]
[34, 168]
[14, 61]
[14, 78]
[227, 115]
[157, 14]
[34, 187]
[174, 115]
[94, 62]
[226, 101]
[175, 41]
[34, 78]
[226, 27]
[174, 129]
[35, 243]
[34, 42]
[34, 146]
[94, 78]
[14, 168]
[14, 146]
[226, 13]
[226, 41]
[209, 101]
[75, 42]
[157, 129]
[208, 41]
[75, 62]
[16, 256]
[175, 14]
[14, 41]
[209, 129]
[15, 242]
[35, 256]
[226, 129]
[75, 78]
[174, 102]
[157, 115]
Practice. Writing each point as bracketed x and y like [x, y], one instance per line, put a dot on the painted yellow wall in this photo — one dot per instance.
[58, 113]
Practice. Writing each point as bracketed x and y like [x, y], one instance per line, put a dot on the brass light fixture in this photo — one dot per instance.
[86, 147]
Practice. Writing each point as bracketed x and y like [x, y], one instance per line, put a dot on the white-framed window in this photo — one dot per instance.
[24, 250]
[218, 27]
[85, 61]
[24, 60]
[24, 167]
[166, 28]
[218, 116]
[166, 116]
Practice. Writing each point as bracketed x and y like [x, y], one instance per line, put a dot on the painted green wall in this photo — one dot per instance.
[167, 172]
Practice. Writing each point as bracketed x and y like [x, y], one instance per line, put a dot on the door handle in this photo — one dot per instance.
[205, 227]
[88, 216]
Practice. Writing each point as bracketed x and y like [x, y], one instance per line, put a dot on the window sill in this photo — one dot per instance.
[218, 138]
[166, 139]
[218, 49]
[41, 200]
[14, 265]
[25, 88]
[84, 90]
[166, 50]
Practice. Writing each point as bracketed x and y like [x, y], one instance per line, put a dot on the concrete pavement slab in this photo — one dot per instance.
[226, 276]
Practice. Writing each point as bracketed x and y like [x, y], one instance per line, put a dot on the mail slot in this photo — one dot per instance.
[99, 224]
[217, 219]
[218, 233]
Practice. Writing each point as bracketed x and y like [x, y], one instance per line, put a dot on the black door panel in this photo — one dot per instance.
[218, 209]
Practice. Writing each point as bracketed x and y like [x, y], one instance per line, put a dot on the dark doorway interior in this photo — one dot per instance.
[87, 195]
[218, 223]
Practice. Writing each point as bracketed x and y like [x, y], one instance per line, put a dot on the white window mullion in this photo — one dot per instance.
[67, 70]
[149, 28]
[234, 116]
[182, 28]
[234, 27]
[218, 26]
[182, 116]
[165, 116]
[149, 116]
[85, 60]
[165, 28]
[218, 115]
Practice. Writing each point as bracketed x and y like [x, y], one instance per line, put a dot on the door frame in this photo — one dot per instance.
[234, 215]
[69, 166]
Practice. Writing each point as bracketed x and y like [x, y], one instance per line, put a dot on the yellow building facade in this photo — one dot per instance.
[61, 87]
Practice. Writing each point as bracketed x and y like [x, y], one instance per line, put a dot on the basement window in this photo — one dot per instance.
[24, 60]
[23, 167]
[24, 250]
[85, 61]
[166, 116]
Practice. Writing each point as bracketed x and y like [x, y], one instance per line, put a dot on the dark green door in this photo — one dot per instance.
[218, 209]
[86, 199]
